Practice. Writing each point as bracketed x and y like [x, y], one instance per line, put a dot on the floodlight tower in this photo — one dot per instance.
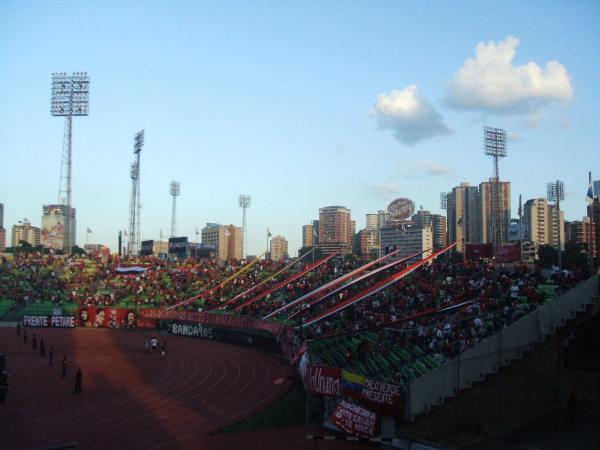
[556, 193]
[70, 97]
[494, 145]
[244, 204]
[174, 190]
[135, 204]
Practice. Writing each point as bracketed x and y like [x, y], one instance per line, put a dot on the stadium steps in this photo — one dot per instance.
[432, 393]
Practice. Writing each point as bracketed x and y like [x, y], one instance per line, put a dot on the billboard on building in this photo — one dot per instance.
[400, 209]
[147, 248]
[178, 247]
[53, 228]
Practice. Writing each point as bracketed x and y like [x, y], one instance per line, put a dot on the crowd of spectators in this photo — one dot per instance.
[93, 281]
[441, 308]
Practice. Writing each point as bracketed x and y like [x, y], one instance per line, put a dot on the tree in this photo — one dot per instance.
[547, 255]
[575, 256]
[25, 247]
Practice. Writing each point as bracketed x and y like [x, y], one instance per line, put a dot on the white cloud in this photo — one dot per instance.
[490, 82]
[409, 115]
[425, 169]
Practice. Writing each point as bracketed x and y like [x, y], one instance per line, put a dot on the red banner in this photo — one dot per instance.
[508, 253]
[354, 419]
[99, 317]
[217, 320]
[324, 380]
[381, 393]
[476, 251]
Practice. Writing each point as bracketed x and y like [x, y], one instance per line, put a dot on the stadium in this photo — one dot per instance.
[398, 352]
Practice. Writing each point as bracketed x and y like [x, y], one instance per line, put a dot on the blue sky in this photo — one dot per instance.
[298, 104]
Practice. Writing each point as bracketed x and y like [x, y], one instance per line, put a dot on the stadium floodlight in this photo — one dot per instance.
[494, 145]
[244, 202]
[135, 204]
[70, 95]
[555, 193]
[174, 190]
[138, 141]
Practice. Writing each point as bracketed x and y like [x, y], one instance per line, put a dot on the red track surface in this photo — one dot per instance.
[131, 399]
[134, 400]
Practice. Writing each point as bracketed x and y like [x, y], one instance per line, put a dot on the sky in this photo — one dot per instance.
[298, 104]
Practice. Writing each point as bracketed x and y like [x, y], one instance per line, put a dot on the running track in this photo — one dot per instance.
[131, 399]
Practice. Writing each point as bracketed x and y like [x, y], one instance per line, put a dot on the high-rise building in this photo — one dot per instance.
[593, 211]
[335, 230]
[596, 188]
[315, 224]
[439, 230]
[25, 232]
[424, 218]
[382, 216]
[578, 231]
[372, 222]
[225, 239]
[369, 242]
[307, 236]
[279, 248]
[409, 239]
[53, 226]
[2, 230]
[485, 209]
[542, 219]
[463, 215]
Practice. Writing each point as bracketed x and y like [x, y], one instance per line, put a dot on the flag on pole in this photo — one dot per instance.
[589, 197]
[268, 232]
[89, 230]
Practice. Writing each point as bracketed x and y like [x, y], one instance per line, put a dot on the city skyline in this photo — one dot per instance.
[299, 106]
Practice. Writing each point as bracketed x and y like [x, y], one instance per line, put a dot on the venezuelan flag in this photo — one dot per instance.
[352, 384]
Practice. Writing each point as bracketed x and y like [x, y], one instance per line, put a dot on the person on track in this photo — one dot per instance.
[154, 344]
[78, 380]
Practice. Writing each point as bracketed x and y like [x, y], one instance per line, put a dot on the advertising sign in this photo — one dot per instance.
[96, 317]
[400, 209]
[475, 251]
[324, 380]
[49, 321]
[508, 253]
[178, 247]
[147, 248]
[192, 330]
[216, 320]
[354, 420]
